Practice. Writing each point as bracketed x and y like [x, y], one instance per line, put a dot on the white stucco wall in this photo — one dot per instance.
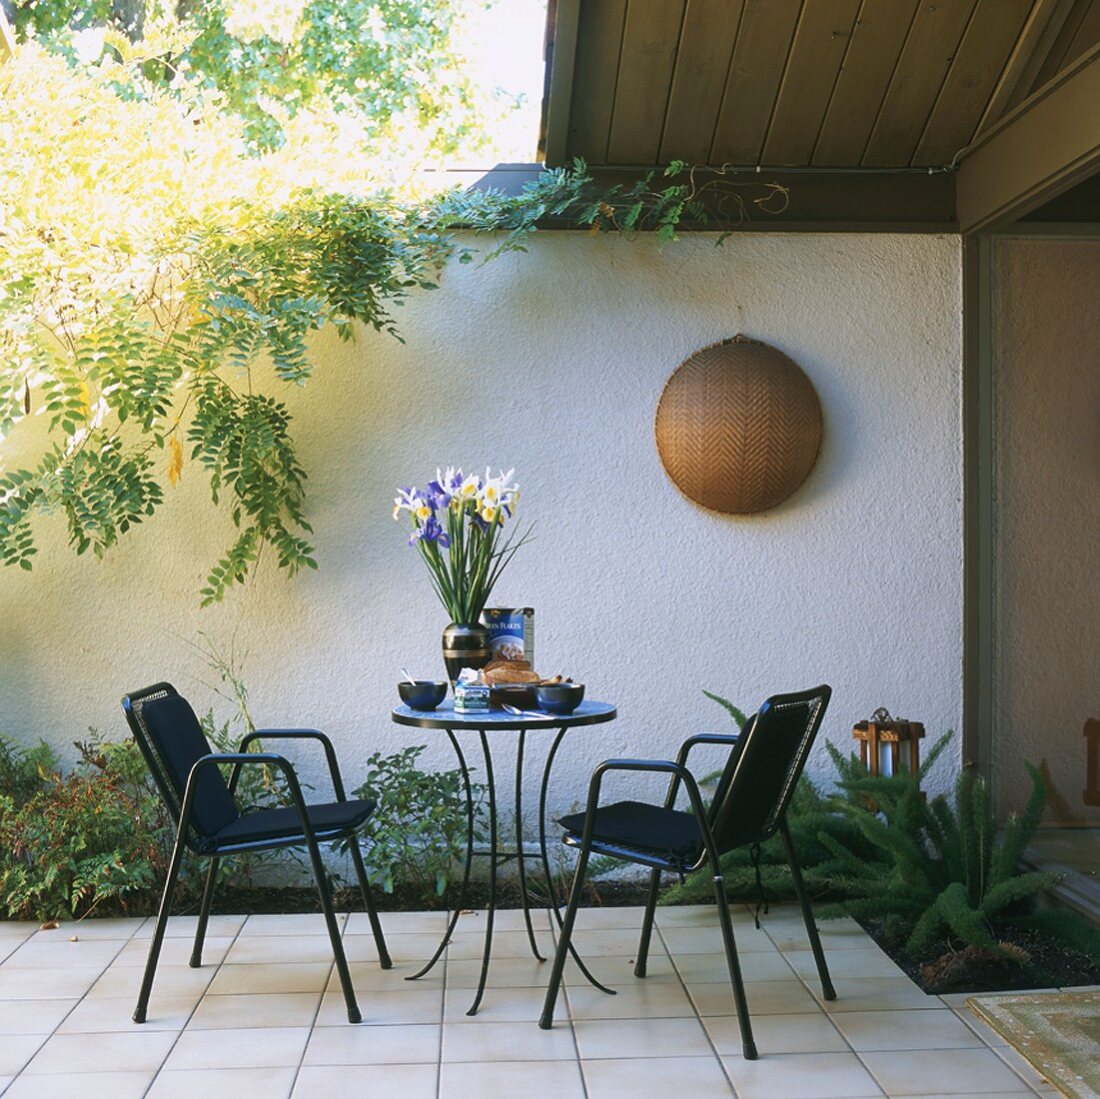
[1047, 409]
[553, 363]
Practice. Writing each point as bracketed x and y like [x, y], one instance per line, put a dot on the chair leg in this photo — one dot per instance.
[748, 1046]
[333, 931]
[546, 1020]
[161, 925]
[827, 990]
[368, 901]
[204, 912]
[647, 923]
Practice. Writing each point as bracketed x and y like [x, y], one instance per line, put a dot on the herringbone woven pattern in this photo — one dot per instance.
[738, 426]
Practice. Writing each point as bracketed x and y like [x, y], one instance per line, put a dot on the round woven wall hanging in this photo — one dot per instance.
[738, 426]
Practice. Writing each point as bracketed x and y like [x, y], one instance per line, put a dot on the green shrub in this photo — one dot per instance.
[24, 771]
[77, 841]
[941, 870]
[419, 828]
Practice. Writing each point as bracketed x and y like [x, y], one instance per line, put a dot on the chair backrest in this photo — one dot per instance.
[171, 740]
[760, 776]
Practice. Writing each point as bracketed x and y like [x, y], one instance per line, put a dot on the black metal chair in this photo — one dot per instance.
[209, 823]
[749, 806]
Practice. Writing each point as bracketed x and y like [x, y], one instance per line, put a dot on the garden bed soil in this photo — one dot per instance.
[1043, 962]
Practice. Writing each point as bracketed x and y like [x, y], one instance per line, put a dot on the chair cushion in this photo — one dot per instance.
[281, 824]
[179, 741]
[644, 827]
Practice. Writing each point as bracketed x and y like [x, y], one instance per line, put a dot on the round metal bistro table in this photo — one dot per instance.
[488, 726]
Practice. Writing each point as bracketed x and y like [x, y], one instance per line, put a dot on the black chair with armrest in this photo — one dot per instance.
[208, 823]
[749, 805]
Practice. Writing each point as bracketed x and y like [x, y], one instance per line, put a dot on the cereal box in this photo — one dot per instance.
[511, 632]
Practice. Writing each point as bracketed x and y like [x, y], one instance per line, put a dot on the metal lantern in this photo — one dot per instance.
[881, 740]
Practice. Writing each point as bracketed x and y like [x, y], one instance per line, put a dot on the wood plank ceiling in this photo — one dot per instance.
[831, 84]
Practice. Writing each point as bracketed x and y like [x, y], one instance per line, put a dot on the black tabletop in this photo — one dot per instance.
[445, 717]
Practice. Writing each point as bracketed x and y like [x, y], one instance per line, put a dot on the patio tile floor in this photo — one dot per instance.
[265, 1017]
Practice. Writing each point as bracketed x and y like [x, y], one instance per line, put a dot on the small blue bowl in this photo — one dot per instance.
[559, 698]
[424, 694]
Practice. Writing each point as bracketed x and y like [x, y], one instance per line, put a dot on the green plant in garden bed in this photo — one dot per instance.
[98, 836]
[418, 831]
[942, 871]
[926, 870]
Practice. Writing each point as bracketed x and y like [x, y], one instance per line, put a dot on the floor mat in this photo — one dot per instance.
[1058, 1032]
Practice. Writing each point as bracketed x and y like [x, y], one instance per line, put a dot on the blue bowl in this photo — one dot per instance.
[424, 694]
[559, 698]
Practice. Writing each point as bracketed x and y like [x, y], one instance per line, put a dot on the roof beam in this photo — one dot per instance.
[818, 201]
[1045, 21]
[1048, 144]
[561, 55]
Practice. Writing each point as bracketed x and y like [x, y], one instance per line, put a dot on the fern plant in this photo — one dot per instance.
[941, 869]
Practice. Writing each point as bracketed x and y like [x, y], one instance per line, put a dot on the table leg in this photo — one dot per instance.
[491, 907]
[461, 904]
[520, 859]
[551, 894]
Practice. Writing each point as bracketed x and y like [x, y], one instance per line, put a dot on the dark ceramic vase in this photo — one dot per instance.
[465, 647]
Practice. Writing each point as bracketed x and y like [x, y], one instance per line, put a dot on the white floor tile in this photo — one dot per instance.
[173, 951]
[600, 1038]
[47, 984]
[170, 981]
[16, 1050]
[757, 965]
[764, 998]
[506, 944]
[183, 927]
[136, 1050]
[966, 1071]
[641, 1000]
[858, 963]
[105, 1014]
[299, 923]
[33, 1016]
[476, 1040]
[867, 1031]
[222, 1083]
[697, 1077]
[277, 949]
[242, 1047]
[500, 1005]
[259, 979]
[283, 1009]
[83, 930]
[385, 1008]
[876, 994]
[374, 1045]
[400, 1081]
[432, 923]
[806, 1075]
[808, 1033]
[86, 1085]
[508, 1079]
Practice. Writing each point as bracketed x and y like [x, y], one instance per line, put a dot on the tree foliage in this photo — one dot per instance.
[184, 204]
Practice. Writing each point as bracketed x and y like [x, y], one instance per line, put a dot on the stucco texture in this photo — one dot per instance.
[553, 362]
[1047, 517]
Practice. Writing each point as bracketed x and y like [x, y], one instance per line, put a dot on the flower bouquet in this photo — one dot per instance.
[458, 526]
